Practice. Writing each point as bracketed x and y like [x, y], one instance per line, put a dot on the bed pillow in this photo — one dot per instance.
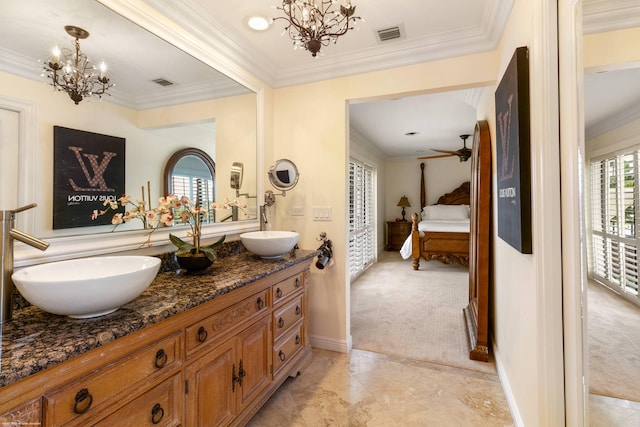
[445, 212]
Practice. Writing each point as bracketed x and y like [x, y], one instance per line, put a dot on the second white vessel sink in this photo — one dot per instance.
[86, 287]
[269, 244]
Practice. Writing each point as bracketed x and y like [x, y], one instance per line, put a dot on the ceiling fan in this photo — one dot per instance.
[463, 153]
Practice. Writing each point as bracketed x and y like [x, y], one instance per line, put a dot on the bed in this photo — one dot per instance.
[440, 232]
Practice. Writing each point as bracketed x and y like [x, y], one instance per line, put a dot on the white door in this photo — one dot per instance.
[9, 147]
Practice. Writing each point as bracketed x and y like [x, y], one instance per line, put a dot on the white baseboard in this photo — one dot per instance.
[506, 388]
[331, 344]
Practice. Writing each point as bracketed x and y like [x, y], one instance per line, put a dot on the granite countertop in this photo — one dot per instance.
[35, 340]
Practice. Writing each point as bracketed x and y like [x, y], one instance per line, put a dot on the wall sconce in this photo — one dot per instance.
[404, 203]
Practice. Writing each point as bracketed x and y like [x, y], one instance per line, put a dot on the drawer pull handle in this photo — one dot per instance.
[260, 303]
[157, 414]
[298, 311]
[278, 293]
[202, 334]
[161, 359]
[297, 285]
[282, 356]
[82, 396]
[281, 323]
[297, 339]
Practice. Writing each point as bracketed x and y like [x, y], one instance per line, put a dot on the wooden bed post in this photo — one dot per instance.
[415, 239]
[423, 191]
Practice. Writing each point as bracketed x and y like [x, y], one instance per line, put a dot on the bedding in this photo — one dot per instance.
[441, 232]
[438, 226]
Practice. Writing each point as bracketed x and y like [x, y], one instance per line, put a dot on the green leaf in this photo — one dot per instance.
[209, 253]
[216, 243]
[183, 247]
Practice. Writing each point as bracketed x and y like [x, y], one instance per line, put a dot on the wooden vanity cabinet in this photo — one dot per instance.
[29, 413]
[213, 365]
[223, 381]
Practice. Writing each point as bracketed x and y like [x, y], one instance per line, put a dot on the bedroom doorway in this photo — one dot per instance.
[394, 309]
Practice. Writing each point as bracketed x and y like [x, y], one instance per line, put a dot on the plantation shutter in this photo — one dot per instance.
[361, 217]
[614, 203]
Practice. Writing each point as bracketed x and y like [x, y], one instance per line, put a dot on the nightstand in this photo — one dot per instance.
[397, 232]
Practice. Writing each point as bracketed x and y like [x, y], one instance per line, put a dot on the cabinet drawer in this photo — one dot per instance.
[286, 316]
[223, 321]
[287, 287]
[84, 398]
[285, 349]
[160, 406]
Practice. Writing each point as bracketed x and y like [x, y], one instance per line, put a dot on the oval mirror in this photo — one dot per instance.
[283, 174]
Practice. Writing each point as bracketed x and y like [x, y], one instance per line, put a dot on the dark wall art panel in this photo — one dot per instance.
[88, 169]
[513, 153]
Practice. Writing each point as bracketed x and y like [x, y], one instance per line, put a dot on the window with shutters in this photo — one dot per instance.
[614, 203]
[195, 188]
[361, 217]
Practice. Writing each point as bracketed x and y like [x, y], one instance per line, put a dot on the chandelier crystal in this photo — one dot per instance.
[71, 71]
[316, 23]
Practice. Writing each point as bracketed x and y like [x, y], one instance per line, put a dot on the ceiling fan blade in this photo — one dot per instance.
[438, 156]
[445, 151]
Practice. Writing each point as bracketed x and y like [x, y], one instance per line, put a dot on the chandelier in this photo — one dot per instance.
[71, 71]
[316, 23]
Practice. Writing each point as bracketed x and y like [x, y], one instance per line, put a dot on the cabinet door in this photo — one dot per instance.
[254, 349]
[211, 400]
[28, 414]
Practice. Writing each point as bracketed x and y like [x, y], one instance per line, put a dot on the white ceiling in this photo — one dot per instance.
[432, 29]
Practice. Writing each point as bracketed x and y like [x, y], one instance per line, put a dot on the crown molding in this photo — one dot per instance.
[195, 18]
[600, 16]
[620, 118]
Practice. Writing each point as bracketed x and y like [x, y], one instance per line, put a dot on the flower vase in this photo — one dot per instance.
[194, 262]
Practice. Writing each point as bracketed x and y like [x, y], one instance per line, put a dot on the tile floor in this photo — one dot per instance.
[370, 389]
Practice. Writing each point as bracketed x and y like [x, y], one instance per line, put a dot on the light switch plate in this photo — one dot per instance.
[322, 213]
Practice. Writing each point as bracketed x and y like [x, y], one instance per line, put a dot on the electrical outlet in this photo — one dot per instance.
[297, 211]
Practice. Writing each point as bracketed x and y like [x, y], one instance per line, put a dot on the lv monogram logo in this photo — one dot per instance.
[97, 182]
[504, 125]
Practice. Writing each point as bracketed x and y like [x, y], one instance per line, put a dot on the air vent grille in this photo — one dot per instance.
[390, 33]
[162, 82]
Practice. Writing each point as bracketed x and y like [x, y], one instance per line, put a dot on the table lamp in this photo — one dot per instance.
[404, 203]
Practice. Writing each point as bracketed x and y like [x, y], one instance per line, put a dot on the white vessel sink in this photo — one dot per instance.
[86, 287]
[269, 244]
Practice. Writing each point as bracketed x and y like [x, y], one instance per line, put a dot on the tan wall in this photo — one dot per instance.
[146, 150]
[317, 141]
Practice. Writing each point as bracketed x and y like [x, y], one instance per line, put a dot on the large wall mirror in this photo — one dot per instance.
[164, 100]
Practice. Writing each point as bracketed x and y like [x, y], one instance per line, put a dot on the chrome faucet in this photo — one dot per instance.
[263, 217]
[7, 235]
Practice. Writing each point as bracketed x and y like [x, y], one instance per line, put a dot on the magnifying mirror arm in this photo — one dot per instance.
[247, 195]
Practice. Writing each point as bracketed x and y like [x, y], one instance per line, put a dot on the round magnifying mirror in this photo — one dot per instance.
[283, 174]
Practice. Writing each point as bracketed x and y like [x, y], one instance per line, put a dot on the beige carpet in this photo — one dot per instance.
[414, 314]
[614, 344]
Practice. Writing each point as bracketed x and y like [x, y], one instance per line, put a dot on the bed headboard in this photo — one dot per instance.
[459, 196]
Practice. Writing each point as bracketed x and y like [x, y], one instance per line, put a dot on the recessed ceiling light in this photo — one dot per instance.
[258, 23]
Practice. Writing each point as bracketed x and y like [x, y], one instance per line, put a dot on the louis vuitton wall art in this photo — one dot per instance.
[88, 168]
[513, 155]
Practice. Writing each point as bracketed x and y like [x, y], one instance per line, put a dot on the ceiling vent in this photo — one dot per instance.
[162, 82]
[390, 33]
